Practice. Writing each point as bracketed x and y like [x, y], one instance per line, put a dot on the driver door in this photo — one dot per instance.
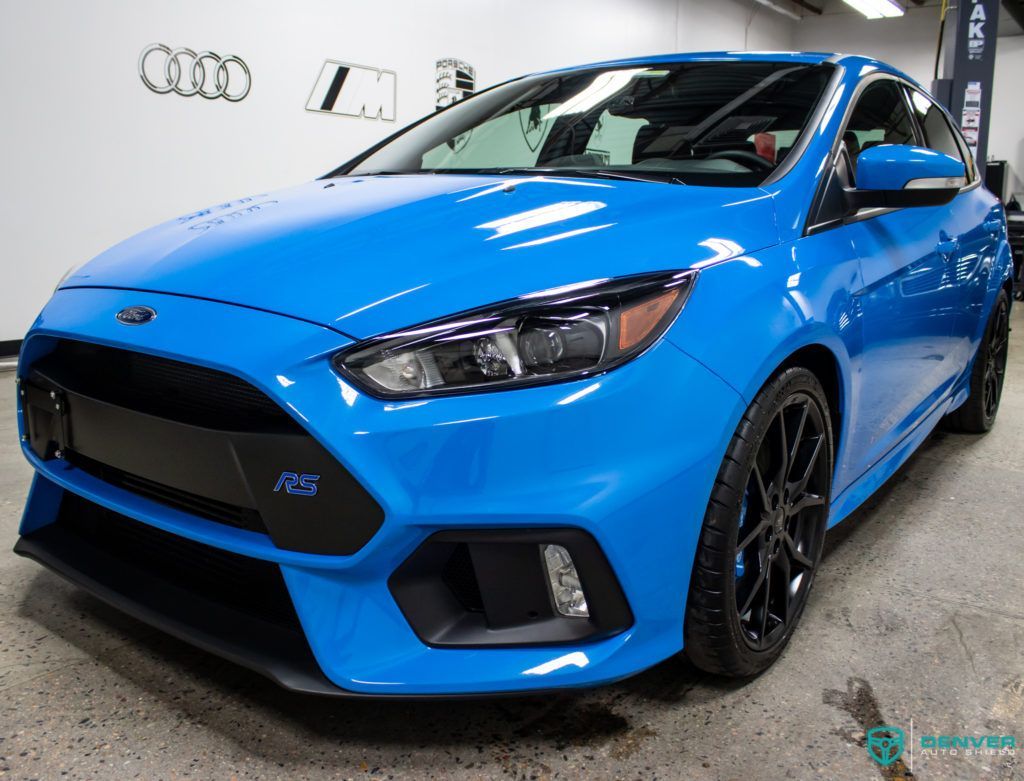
[908, 298]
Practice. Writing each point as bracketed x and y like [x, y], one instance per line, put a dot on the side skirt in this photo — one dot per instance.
[857, 493]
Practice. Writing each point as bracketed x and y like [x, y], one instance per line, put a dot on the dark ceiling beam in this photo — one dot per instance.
[808, 6]
[1015, 8]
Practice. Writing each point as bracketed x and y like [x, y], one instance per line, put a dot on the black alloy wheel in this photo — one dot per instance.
[763, 531]
[781, 524]
[977, 415]
[995, 358]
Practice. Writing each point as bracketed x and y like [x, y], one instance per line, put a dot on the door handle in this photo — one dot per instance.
[995, 227]
[947, 247]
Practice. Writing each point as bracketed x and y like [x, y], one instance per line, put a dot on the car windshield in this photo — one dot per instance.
[710, 123]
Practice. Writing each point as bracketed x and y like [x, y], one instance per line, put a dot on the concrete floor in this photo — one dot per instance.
[916, 614]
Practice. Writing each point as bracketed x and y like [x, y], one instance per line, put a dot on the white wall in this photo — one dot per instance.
[91, 156]
[1006, 135]
[909, 44]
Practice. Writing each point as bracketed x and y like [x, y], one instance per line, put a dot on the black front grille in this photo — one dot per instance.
[195, 439]
[241, 583]
[163, 387]
[211, 509]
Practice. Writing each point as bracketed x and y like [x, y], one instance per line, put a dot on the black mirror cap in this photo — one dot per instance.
[898, 199]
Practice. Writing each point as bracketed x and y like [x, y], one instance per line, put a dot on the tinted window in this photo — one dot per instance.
[937, 133]
[880, 117]
[716, 123]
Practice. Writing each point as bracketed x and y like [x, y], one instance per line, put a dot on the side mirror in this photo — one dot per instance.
[895, 176]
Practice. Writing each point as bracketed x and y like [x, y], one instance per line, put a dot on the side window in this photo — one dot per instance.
[937, 133]
[880, 117]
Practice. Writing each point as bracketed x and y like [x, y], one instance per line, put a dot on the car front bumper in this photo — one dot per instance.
[628, 458]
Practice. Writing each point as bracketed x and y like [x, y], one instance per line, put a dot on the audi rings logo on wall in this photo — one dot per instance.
[188, 73]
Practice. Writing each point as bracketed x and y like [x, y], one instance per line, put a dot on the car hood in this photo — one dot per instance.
[371, 254]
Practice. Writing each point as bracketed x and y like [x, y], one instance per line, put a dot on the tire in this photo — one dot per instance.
[977, 415]
[738, 619]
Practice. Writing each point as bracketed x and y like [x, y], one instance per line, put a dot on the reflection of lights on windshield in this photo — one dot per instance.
[600, 89]
[545, 215]
[560, 236]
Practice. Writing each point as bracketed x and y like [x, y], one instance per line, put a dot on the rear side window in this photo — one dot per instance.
[880, 117]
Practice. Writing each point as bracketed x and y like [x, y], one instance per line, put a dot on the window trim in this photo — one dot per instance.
[811, 228]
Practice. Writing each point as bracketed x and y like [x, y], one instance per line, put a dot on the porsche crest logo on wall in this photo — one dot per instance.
[455, 80]
[354, 91]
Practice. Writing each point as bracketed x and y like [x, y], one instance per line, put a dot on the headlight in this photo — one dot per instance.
[544, 337]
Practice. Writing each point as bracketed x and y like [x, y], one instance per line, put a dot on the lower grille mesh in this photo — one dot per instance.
[168, 389]
[241, 583]
[211, 509]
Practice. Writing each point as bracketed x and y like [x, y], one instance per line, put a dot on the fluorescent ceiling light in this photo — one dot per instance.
[778, 9]
[877, 9]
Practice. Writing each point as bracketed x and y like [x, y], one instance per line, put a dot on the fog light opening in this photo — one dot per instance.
[566, 588]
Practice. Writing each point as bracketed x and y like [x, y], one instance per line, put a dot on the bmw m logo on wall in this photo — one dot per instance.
[455, 80]
[354, 91]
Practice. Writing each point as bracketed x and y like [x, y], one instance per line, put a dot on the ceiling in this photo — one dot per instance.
[1007, 23]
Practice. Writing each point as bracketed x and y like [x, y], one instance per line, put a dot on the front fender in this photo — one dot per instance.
[748, 316]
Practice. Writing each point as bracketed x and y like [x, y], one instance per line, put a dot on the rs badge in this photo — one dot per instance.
[300, 485]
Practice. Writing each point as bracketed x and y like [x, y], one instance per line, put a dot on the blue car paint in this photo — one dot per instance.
[331, 231]
[629, 456]
[891, 166]
[440, 464]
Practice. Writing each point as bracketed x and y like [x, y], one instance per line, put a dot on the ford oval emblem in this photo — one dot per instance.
[136, 315]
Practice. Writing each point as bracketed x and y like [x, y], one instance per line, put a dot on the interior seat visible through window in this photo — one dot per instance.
[880, 117]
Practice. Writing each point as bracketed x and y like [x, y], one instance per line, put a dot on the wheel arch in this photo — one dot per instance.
[824, 364]
[827, 364]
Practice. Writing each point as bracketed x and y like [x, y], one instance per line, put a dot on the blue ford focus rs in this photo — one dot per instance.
[543, 389]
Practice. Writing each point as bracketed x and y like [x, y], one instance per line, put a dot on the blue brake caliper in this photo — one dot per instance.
[740, 567]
